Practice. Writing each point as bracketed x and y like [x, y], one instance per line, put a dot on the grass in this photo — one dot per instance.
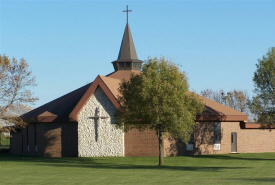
[4, 143]
[208, 169]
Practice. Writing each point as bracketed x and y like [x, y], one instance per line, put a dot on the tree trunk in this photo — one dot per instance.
[160, 148]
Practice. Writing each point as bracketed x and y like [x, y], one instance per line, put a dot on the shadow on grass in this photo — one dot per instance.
[260, 180]
[247, 157]
[106, 163]
[150, 167]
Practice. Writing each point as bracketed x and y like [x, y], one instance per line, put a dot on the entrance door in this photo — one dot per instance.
[233, 142]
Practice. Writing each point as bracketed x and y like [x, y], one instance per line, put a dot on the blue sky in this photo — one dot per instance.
[68, 43]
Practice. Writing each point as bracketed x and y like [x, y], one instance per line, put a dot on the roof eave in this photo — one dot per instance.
[98, 82]
[221, 118]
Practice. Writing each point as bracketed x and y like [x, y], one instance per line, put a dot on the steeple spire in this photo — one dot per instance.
[127, 56]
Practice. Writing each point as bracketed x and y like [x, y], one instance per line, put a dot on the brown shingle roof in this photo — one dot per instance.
[126, 74]
[60, 107]
[67, 107]
[215, 111]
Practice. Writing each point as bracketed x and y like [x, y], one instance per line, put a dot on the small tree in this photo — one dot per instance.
[15, 79]
[159, 99]
[263, 103]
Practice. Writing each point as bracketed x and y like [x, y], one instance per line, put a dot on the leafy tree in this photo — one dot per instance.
[15, 80]
[263, 102]
[159, 99]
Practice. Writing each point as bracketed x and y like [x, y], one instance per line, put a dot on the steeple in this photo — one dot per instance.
[127, 56]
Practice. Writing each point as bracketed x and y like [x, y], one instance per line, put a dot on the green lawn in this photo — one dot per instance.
[211, 169]
[4, 143]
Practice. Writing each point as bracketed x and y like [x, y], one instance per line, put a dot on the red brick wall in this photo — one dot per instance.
[16, 143]
[143, 143]
[53, 145]
[60, 139]
[204, 138]
[175, 147]
[53, 140]
[248, 140]
[69, 140]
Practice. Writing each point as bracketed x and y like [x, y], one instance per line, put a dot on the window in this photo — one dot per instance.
[217, 133]
[127, 65]
[190, 145]
[191, 140]
[121, 65]
[136, 66]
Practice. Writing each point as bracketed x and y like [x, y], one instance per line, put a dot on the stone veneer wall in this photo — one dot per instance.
[99, 138]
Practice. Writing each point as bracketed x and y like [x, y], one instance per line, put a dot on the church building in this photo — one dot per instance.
[81, 123]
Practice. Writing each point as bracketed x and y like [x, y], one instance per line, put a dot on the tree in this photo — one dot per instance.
[236, 99]
[217, 96]
[158, 99]
[263, 102]
[15, 80]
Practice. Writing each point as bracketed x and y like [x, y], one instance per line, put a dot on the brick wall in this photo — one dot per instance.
[248, 140]
[56, 140]
[53, 140]
[143, 143]
[16, 143]
[204, 138]
[69, 138]
[174, 147]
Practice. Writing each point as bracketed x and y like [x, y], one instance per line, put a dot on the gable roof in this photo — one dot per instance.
[215, 111]
[67, 107]
[58, 109]
[108, 87]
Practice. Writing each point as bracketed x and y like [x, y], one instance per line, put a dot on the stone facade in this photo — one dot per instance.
[99, 136]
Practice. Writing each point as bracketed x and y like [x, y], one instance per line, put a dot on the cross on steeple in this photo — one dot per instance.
[127, 12]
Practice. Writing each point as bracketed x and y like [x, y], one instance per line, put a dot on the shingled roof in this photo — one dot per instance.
[215, 111]
[58, 109]
[67, 107]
